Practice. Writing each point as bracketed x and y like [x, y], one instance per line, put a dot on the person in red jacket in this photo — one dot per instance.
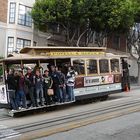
[20, 95]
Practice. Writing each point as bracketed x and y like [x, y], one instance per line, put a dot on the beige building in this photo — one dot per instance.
[16, 27]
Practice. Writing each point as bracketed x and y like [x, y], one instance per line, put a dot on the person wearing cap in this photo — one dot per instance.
[47, 85]
[29, 77]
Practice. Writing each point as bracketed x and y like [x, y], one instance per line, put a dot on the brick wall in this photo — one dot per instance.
[3, 10]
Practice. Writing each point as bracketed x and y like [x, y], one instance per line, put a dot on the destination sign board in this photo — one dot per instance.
[69, 53]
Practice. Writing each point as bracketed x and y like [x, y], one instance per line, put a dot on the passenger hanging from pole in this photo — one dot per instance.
[125, 77]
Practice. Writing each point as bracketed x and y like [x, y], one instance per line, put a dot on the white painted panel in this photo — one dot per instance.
[79, 91]
[97, 89]
[3, 95]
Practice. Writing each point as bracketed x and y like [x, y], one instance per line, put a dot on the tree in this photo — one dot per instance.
[112, 16]
[80, 18]
[133, 39]
[133, 43]
[65, 13]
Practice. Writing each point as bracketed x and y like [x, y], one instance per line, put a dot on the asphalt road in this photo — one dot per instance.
[123, 128]
[126, 127]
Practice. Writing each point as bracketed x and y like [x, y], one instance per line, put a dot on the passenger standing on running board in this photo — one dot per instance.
[56, 85]
[38, 82]
[12, 88]
[29, 76]
[63, 83]
[20, 96]
[47, 85]
[71, 82]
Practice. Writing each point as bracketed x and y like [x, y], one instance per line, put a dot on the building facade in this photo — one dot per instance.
[16, 27]
[117, 44]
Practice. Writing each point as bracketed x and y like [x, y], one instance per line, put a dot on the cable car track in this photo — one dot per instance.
[76, 117]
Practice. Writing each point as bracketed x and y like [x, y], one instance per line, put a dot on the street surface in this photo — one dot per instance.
[121, 128]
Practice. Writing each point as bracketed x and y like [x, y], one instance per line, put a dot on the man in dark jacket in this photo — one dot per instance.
[57, 84]
[62, 82]
[12, 87]
[30, 85]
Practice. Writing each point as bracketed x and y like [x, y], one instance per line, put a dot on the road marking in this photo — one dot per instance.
[6, 132]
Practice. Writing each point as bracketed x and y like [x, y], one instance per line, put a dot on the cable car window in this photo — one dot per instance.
[92, 66]
[79, 66]
[104, 66]
[115, 65]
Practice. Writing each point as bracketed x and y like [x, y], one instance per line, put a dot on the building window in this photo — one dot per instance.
[24, 17]
[116, 42]
[10, 45]
[12, 12]
[21, 43]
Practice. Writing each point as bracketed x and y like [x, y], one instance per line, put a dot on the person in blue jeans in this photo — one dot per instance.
[12, 87]
[38, 82]
[20, 95]
[63, 82]
[70, 83]
[57, 85]
[30, 85]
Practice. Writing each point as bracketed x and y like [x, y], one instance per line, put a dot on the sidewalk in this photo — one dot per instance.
[134, 91]
[134, 86]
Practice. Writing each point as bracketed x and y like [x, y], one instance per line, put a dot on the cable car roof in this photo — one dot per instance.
[27, 49]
